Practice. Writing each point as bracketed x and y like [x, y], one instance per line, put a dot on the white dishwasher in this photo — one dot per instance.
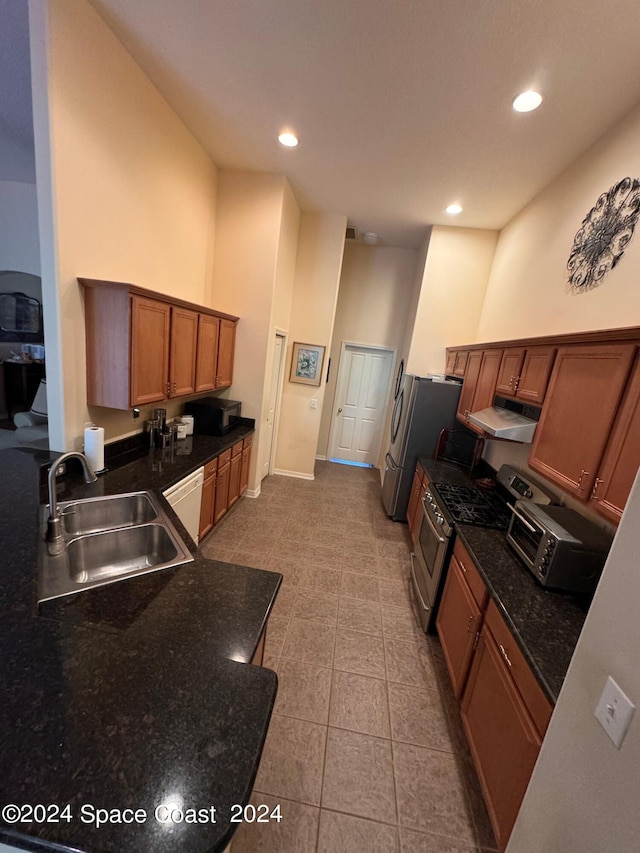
[185, 499]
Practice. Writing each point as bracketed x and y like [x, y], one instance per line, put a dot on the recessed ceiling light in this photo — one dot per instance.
[288, 139]
[454, 209]
[527, 101]
[370, 238]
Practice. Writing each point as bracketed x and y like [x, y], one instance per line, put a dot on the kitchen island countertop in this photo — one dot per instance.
[135, 695]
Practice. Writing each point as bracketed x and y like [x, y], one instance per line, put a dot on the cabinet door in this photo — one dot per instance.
[578, 413]
[458, 624]
[226, 347]
[207, 352]
[182, 364]
[222, 492]
[234, 474]
[451, 362]
[503, 739]
[150, 322]
[535, 374]
[622, 456]
[244, 470]
[460, 363]
[510, 369]
[207, 504]
[486, 384]
[474, 361]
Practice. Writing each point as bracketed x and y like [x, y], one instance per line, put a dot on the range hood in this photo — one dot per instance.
[514, 423]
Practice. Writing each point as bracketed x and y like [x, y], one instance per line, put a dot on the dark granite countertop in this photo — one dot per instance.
[134, 694]
[545, 624]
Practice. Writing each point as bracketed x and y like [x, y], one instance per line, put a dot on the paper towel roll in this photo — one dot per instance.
[94, 447]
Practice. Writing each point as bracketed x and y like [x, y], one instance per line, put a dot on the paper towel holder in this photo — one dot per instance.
[90, 425]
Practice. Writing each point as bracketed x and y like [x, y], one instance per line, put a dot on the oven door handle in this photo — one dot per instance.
[524, 520]
[416, 585]
[440, 539]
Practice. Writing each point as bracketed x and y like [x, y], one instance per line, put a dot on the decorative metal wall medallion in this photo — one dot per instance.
[604, 235]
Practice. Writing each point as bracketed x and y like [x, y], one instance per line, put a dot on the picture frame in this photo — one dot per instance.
[306, 364]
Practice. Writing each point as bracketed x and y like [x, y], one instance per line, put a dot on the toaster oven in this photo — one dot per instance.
[561, 548]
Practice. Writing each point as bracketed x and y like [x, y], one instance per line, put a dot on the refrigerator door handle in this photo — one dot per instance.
[391, 465]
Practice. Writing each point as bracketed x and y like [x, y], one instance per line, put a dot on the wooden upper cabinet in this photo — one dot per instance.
[150, 333]
[451, 362]
[535, 373]
[479, 384]
[143, 347]
[510, 369]
[207, 352]
[182, 362]
[456, 362]
[226, 348]
[578, 413]
[472, 372]
[622, 456]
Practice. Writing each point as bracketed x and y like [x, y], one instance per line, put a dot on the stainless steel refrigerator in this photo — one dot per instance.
[421, 409]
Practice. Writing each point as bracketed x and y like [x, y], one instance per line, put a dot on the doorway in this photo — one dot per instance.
[270, 425]
[362, 394]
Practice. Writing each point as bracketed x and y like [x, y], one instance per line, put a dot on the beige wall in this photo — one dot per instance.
[319, 260]
[248, 263]
[374, 298]
[528, 292]
[455, 277]
[583, 795]
[133, 193]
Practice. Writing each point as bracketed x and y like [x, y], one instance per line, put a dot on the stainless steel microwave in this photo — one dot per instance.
[560, 547]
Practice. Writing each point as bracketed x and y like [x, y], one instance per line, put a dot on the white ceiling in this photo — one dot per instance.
[402, 106]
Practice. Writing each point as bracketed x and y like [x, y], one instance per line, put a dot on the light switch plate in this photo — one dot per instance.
[614, 711]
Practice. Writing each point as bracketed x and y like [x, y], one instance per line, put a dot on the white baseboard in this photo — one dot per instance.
[321, 458]
[252, 493]
[296, 474]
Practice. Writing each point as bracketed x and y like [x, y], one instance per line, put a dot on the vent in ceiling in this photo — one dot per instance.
[352, 232]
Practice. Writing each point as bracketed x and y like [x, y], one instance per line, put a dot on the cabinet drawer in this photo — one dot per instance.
[211, 467]
[236, 450]
[248, 441]
[537, 703]
[471, 574]
[224, 458]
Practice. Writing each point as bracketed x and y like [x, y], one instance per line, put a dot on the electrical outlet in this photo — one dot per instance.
[314, 402]
[614, 711]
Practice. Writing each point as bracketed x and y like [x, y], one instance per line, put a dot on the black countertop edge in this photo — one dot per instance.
[545, 624]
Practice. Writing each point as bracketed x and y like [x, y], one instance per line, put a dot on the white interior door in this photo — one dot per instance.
[362, 392]
[269, 443]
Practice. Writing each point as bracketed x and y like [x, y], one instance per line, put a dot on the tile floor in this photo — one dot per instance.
[365, 752]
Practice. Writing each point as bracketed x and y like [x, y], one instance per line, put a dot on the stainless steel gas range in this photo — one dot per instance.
[445, 505]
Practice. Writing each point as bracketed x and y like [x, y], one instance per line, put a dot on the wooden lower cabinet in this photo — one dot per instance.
[234, 474]
[222, 486]
[459, 619]
[458, 622]
[414, 507]
[246, 462]
[505, 715]
[225, 478]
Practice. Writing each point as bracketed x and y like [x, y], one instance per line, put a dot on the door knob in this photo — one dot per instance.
[339, 410]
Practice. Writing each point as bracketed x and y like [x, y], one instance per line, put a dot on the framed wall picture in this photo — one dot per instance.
[306, 364]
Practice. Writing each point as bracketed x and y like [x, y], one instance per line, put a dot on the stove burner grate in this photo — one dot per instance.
[470, 506]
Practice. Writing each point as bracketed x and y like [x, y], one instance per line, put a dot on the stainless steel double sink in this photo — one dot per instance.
[107, 539]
